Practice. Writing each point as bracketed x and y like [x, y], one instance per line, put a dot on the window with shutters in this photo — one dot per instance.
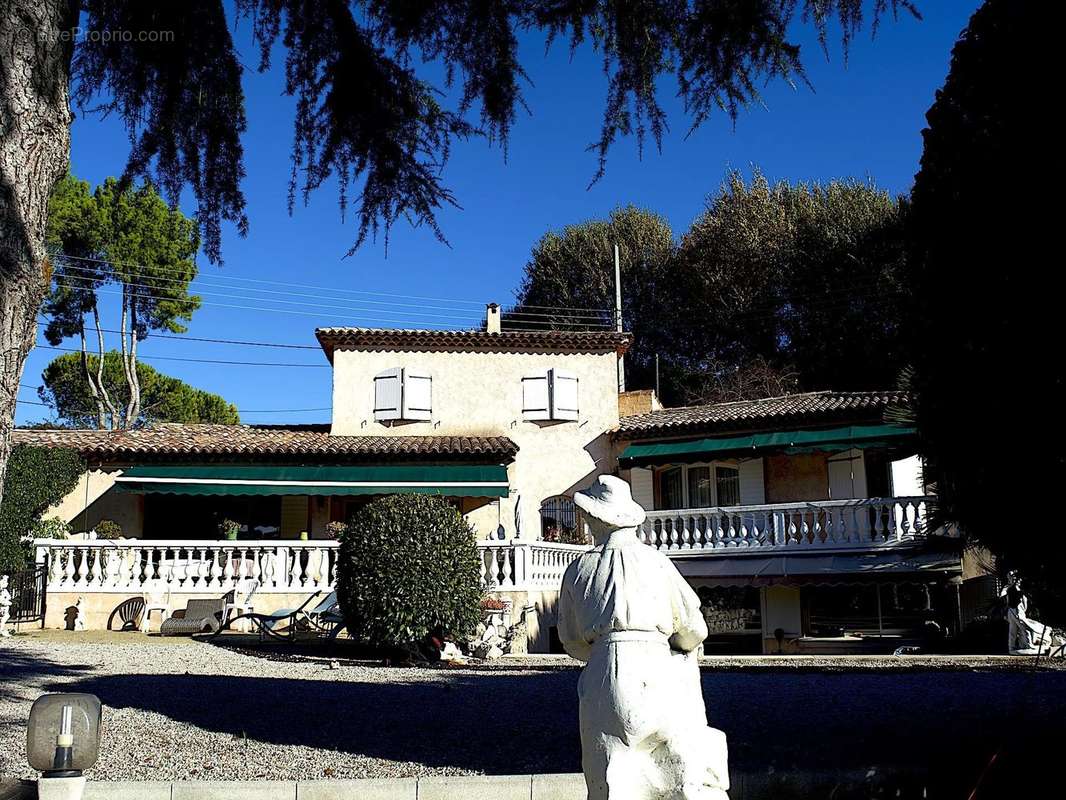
[403, 395]
[551, 395]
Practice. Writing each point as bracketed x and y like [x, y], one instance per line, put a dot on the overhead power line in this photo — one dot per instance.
[88, 411]
[87, 274]
[332, 289]
[353, 312]
[201, 360]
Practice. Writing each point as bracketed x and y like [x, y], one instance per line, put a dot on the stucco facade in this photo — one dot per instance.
[94, 499]
[478, 392]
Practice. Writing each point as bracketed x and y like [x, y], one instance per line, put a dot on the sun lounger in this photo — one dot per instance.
[281, 624]
[201, 616]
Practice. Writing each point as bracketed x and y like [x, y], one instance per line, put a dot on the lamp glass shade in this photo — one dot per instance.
[51, 729]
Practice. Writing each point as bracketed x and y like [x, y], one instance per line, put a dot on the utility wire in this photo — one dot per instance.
[87, 411]
[89, 275]
[324, 288]
[200, 360]
[355, 313]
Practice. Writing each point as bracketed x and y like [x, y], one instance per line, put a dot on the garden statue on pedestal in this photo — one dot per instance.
[79, 614]
[626, 611]
[5, 606]
[1026, 636]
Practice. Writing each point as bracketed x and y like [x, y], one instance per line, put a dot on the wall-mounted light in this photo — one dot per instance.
[62, 741]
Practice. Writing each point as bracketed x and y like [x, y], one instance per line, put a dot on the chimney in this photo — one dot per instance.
[492, 318]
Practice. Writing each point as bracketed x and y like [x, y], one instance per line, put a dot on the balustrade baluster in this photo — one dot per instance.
[908, 515]
[216, 571]
[69, 568]
[96, 571]
[136, 567]
[254, 569]
[228, 575]
[506, 578]
[879, 533]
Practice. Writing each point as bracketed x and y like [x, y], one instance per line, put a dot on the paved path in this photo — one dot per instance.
[183, 710]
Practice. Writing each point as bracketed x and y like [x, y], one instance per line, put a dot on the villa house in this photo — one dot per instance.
[502, 423]
[800, 520]
[768, 507]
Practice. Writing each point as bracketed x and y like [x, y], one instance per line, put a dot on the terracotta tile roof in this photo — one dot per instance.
[532, 341]
[811, 408]
[266, 442]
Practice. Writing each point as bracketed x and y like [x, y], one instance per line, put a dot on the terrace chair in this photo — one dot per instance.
[326, 617]
[239, 601]
[201, 616]
[267, 624]
[156, 597]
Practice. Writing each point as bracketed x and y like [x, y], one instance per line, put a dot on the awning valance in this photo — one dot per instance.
[458, 480]
[799, 568]
[800, 441]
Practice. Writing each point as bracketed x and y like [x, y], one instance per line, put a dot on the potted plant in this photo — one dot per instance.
[229, 528]
[496, 612]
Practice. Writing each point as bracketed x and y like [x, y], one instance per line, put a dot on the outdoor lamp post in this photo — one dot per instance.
[63, 740]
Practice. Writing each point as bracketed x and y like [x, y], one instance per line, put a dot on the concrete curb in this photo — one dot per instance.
[435, 787]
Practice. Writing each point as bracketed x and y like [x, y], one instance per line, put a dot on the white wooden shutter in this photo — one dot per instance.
[417, 395]
[535, 397]
[752, 485]
[642, 483]
[388, 394]
[563, 394]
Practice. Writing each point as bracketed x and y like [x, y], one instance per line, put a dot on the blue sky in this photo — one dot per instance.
[863, 120]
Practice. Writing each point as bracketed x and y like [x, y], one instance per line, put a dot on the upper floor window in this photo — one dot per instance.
[550, 395]
[403, 395]
[699, 486]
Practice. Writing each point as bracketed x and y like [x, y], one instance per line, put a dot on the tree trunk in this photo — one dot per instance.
[135, 381]
[34, 153]
[101, 421]
[100, 385]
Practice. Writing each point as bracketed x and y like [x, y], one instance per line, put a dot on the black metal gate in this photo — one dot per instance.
[29, 593]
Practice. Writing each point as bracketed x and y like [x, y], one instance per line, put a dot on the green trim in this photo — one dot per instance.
[801, 441]
[447, 480]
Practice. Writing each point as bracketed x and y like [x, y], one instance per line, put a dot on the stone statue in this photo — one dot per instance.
[628, 614]
[5, 606]
[1026, 636]
[79, 614]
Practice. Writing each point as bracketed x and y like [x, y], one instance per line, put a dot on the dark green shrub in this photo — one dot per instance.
[108, 529]
[407, 566]
[37, 477]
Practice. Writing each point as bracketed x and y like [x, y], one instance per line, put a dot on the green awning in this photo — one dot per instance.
[802, 441]
[457, 480]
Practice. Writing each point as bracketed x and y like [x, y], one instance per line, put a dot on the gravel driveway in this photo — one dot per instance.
[182, 710]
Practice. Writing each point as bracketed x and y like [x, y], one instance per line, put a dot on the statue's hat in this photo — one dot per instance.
[609, 500]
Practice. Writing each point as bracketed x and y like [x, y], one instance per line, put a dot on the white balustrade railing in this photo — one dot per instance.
[215, 567]
[191, 566]
[131, 565]
[829, 524]
[525, 566]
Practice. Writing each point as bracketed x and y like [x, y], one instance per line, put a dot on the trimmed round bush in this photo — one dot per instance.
[108, 529]
[408, 566]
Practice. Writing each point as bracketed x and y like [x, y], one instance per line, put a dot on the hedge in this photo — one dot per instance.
[37, 478]
[408, 566]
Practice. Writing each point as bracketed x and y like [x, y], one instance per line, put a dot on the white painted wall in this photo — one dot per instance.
[94, 499]
[907, 477]
[480, 394]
